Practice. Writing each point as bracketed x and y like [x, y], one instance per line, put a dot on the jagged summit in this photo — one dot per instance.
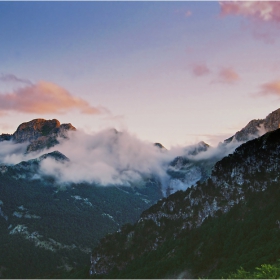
[30, 131]
[34, 129]
[40, 133]
[257, 127]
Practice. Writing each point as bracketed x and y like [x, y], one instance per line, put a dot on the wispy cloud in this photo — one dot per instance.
[260, 10]
[228, 75]
[44, 98]
[200, 70]
[188, 13]
[271, 88]
[263, 16]
[11, 78]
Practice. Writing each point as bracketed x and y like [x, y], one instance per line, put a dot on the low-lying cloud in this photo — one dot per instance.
[11, 153]
[109, 157]
[43, 98]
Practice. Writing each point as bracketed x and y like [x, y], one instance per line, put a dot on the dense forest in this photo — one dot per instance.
[243, 243]
[52, 229]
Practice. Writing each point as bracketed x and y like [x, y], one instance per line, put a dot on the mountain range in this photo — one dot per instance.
[43, 218]
[212, 228]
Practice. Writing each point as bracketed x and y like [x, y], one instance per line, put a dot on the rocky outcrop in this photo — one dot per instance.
[40, 133]
[256, 128]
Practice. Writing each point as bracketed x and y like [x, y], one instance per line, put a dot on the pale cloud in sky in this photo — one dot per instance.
[11, 78]
[200, 70]
[264, 17]
[260, 10]
[44, 98]
[228, 75]
[188, 13]
[271, 88]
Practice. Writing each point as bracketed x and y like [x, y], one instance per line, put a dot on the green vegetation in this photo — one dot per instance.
[265, 271]
[70, 220]
[247, 236]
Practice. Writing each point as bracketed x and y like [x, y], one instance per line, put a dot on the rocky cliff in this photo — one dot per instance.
[40, 133]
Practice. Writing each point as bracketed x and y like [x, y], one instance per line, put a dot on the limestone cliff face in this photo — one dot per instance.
[30, 131]
[257, 128]
[40, 133]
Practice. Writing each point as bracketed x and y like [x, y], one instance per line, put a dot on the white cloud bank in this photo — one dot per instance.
[109, 157]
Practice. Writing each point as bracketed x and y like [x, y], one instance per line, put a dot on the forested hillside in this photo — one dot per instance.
[211, 229]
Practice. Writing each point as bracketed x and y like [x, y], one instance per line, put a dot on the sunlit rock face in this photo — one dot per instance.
[40, 133]
[30, 131]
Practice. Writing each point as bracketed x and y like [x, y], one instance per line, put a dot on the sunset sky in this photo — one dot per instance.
[169, 72]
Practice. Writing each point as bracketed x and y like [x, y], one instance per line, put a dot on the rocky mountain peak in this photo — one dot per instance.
[34, 129]
[160, 146]
[272, 121]
[40, 133]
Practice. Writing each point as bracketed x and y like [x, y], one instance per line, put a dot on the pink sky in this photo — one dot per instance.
[169, 72]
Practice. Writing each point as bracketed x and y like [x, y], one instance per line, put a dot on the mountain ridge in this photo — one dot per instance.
[252, 168]
[257, 127]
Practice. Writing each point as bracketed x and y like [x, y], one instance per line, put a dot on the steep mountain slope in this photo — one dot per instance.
[247, 179]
